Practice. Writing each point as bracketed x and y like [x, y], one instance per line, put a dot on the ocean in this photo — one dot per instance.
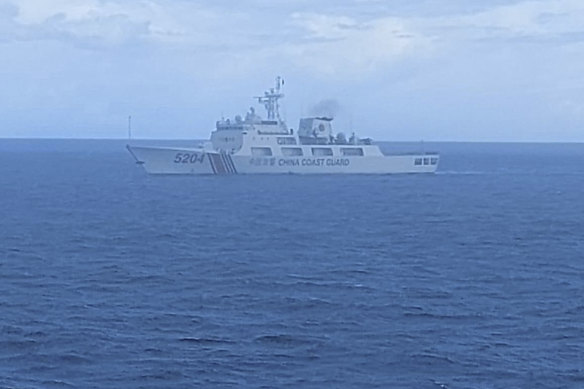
[469, 278]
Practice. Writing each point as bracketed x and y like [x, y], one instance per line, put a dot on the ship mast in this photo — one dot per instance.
[270, 100]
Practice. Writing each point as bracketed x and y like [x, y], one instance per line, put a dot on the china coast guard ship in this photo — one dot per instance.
[256, 145]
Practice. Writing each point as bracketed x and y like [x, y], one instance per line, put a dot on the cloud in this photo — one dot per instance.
[344, 40]
[419, 63]
[224, 25]
[325, 27]
[81, 23]
[342, 46]
[541, 20]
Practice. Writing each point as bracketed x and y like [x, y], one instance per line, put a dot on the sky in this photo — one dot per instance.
[432, 70]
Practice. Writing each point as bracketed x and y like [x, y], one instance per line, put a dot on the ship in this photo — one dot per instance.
[256, 145]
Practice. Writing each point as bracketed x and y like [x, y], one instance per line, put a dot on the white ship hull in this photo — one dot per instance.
[252, 145]
[194, 161]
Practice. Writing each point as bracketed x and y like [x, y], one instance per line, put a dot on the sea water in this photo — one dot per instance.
[469, 278]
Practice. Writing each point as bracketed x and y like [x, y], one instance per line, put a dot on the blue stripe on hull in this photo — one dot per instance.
[221, 163]
[230, 161]
[224, 162]
[210, 156]
[218, 163]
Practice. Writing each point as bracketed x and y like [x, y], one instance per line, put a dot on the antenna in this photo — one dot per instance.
[130, 127]
[270, 100]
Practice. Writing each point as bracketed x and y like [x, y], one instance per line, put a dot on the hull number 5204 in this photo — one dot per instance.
[189, 158]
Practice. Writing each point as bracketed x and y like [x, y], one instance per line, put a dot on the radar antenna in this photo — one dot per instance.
[270, 100]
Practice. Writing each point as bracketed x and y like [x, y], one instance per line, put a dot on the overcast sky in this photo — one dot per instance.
[490, 70]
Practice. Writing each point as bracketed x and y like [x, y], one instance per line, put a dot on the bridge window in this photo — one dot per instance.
[354, 151]
[418, 161]
[426, 161]
[292, 151]
[261, 151]
[433, 161]
[322, 151]
[286, 140]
